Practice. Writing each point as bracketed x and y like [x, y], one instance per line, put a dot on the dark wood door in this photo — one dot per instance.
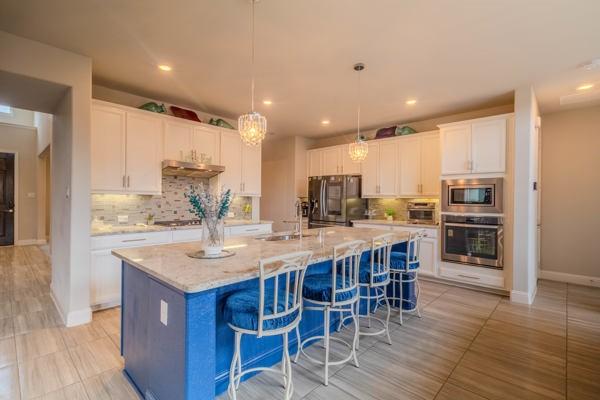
[7, 199]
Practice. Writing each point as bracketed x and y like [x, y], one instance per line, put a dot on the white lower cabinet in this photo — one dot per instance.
[105, 274]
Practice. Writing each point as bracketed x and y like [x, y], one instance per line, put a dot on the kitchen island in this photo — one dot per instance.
[174, 335]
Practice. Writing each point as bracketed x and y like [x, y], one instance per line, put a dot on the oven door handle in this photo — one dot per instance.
[473, 226]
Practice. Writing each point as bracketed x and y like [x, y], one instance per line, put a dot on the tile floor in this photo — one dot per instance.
[468, 345]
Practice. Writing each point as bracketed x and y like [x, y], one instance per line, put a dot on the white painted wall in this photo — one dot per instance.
[571, 195]
[525, 198]
[71, 75]
[18, 117]
[43, 123]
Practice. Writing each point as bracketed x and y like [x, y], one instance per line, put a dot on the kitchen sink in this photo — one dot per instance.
[282, 236]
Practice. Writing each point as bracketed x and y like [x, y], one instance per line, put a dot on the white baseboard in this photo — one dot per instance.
[570, 278]
[73, 318]
[30, 242]
[523, 297]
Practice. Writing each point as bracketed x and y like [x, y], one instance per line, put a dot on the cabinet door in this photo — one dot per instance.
[409, 154]
[428, 256]
[231, 158]
[349, 167]
[456, 149]
[314, 163]
[251, 162]
[206, 141]
[144, 154]
[388, 168]
[108, 150]
[488, 146]
[331, 161]
[430, 165]
[105, 279]
[370, 169]
[177, 141]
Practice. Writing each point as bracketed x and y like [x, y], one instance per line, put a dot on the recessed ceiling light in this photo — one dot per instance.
[585, 86]
[267, 102]
[164, 67]
[411, 102]
[325, 122]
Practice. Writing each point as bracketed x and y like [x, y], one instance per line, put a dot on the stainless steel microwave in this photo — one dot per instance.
[482, 195]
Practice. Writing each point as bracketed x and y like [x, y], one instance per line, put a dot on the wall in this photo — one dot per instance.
[43, 123]
[69, 75]
[525, 198]
[420, 126]
[22, 139]
[18, 117]
[571, 194]
[170, 205]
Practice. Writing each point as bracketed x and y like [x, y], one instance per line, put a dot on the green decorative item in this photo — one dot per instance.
[154, 107]
[404, 130]
[220, 123]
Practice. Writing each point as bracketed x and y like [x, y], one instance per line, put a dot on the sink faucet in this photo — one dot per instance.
[298, 206]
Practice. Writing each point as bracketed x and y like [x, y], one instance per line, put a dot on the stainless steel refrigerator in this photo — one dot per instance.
[335, 200]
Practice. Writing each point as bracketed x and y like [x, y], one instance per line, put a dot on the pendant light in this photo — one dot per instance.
[358, 150]
[252, 126]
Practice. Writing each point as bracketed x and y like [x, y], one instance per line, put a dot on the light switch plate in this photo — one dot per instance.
[164, 312]
[122, 219]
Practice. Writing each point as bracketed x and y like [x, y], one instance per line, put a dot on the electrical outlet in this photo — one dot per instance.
[164, 312]
[122, 219]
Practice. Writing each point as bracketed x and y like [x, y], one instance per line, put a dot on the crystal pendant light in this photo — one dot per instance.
[252, 126]
[358, 150]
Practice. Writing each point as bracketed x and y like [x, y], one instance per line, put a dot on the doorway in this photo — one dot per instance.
[7, 199]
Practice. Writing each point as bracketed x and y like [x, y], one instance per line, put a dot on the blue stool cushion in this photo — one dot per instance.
[364, 273]
[241, 310]
[318, 287]
[398, 261]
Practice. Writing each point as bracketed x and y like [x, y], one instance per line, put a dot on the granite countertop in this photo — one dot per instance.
[170, 264]
[394, 223]
[120, 229]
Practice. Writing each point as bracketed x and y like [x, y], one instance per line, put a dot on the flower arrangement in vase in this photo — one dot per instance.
[211, 208]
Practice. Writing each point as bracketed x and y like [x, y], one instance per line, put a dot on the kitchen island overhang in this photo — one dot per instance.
[174, 336]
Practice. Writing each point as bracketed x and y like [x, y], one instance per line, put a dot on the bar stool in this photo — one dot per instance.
[253, 312]
[374, 277]
[404, 268]
[334, 292]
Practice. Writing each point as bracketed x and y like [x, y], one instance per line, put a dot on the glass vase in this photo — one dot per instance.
[213, 236]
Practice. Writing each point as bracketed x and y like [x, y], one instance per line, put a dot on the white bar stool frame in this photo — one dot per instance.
[400, 276]
[381, 250]
[293, 267]
[346, 257]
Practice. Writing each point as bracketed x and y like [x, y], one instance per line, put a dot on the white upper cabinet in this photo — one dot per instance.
[456, 149]
[242, 165]
[488, 141]
[177, 141]
[126, 151]
[474, 147]
[388, 168]
[108, 149]
[314, 162]
[144, 154]
[205, 141]
[349, 167]
[409, 154]
[370, 172]
[331, 161]
[430, 165]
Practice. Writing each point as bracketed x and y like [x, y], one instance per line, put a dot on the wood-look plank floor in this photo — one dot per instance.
[467, 345]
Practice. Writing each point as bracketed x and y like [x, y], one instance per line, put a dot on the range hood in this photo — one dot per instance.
[191, 169]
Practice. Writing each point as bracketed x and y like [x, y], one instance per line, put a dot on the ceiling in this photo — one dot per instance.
[451, 55]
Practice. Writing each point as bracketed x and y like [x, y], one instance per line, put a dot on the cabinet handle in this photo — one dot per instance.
[133, 240]
[252, 230]
[469, 277]
[128, 181]
[123, 180]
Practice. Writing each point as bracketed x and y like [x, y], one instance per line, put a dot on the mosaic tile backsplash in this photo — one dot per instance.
[171, 205]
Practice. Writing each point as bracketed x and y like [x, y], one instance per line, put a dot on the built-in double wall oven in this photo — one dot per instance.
[472, 222]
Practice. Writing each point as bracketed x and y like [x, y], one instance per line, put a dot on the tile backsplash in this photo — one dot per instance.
[379, 206]
[171, 205]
